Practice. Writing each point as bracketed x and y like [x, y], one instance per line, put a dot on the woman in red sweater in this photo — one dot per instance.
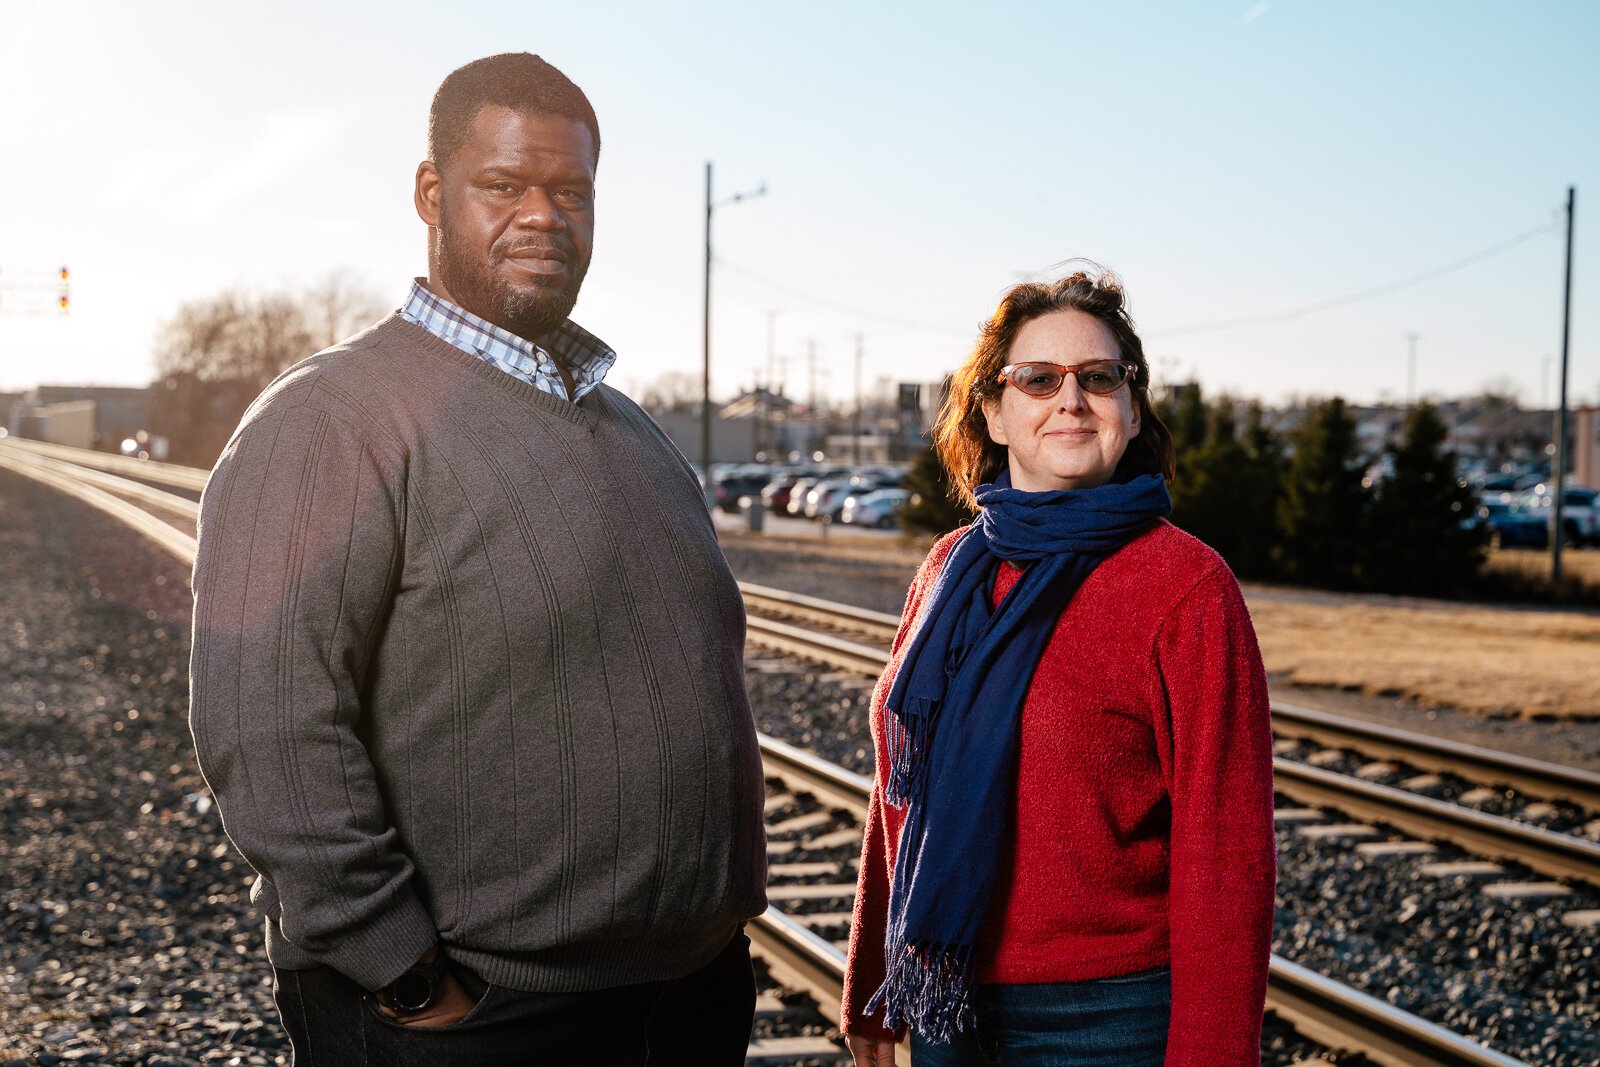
[1069, 858]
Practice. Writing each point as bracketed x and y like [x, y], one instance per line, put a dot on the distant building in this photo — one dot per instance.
[1584, 425]
[69, 422]
[732, 440]
[117, 413]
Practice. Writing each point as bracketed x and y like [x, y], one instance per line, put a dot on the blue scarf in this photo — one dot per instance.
[955, 716]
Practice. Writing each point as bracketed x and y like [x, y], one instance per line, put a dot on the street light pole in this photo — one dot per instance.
[855, 451]
[1561, 418]
[705, 348]
[1411, 368]
[705, 340]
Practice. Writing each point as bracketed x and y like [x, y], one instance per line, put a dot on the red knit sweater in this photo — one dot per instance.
[1142, 834]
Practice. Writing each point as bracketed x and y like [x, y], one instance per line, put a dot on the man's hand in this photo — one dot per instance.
[448, 1008]
[870, 1051]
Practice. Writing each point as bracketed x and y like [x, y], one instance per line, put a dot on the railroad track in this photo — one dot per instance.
[799, 956]
[786, 1030]
[1554, 855]
[802, 935]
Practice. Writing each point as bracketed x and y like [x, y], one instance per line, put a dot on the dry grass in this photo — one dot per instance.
[1583, 565]
[1479, 659]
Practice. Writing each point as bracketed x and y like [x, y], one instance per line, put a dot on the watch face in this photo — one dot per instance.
[411, 991]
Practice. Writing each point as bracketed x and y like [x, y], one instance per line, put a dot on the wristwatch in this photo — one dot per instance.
[414, 990]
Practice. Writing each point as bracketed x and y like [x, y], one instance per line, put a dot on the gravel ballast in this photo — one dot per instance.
[127, 930]
[126, 935]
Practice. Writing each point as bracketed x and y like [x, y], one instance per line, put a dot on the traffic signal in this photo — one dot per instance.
[64, 276]
[62, 300]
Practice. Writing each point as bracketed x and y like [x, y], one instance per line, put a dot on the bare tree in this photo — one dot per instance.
[672, 391]
[251, 338]
[337, 307]
[214, 355]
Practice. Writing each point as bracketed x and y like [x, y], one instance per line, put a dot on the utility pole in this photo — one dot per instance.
[855, 448]
[772, 352]
[811, 376]
[811, 398]
[1560, 457]
[705, 339]
[1411, 369]
[705, 346]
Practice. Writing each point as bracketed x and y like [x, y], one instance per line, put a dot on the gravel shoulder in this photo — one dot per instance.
[128, 936]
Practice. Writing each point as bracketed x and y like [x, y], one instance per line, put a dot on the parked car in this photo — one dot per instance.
[829, 506]
[1580, 512]
[801, 490]
[1512, 526]
[879, 508]
[727, 489]
[824, 499]
[797, 495]
[775, 494]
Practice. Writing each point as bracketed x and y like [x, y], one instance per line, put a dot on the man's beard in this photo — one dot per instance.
[529, 311]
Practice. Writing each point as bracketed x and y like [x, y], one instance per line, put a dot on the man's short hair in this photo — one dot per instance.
[517, 80]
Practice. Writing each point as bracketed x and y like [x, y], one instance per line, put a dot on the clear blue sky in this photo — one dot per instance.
[1231, 159]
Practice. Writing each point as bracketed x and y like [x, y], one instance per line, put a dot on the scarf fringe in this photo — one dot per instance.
[907, 741]
[929, 989]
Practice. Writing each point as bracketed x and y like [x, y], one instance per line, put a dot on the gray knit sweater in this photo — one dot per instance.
[467, 660]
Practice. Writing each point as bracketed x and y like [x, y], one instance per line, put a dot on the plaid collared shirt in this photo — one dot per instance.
[585, 355]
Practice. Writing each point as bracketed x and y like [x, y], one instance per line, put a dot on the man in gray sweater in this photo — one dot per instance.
[467, 669]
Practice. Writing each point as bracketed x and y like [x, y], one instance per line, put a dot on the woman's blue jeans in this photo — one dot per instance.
[1107, 1022]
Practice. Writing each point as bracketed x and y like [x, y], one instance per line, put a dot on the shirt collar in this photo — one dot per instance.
[585, 355]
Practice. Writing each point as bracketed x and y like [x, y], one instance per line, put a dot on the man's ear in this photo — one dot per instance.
[426, 194]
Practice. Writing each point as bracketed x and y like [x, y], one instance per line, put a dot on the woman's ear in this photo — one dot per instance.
[991, 416]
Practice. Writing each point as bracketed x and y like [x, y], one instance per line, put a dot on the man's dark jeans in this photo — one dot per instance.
[703, 1018]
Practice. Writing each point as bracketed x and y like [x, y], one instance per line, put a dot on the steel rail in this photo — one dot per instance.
[877, 625]
[822, 648]
[148, 470]
[162, 533]
[797, 958]
[1536, 778]
[804, 772]
[1552, 854]
[148, 495]
[1324, 1010]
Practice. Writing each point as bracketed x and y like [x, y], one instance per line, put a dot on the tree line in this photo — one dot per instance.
[1298, 506]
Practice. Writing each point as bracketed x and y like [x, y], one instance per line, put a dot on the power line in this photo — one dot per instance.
[875, 316]
[1220, 324]
[1365, 294]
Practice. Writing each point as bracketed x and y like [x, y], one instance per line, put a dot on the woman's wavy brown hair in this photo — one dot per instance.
[961, 435]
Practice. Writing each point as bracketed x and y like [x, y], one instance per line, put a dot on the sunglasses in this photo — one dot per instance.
[1043, 380]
